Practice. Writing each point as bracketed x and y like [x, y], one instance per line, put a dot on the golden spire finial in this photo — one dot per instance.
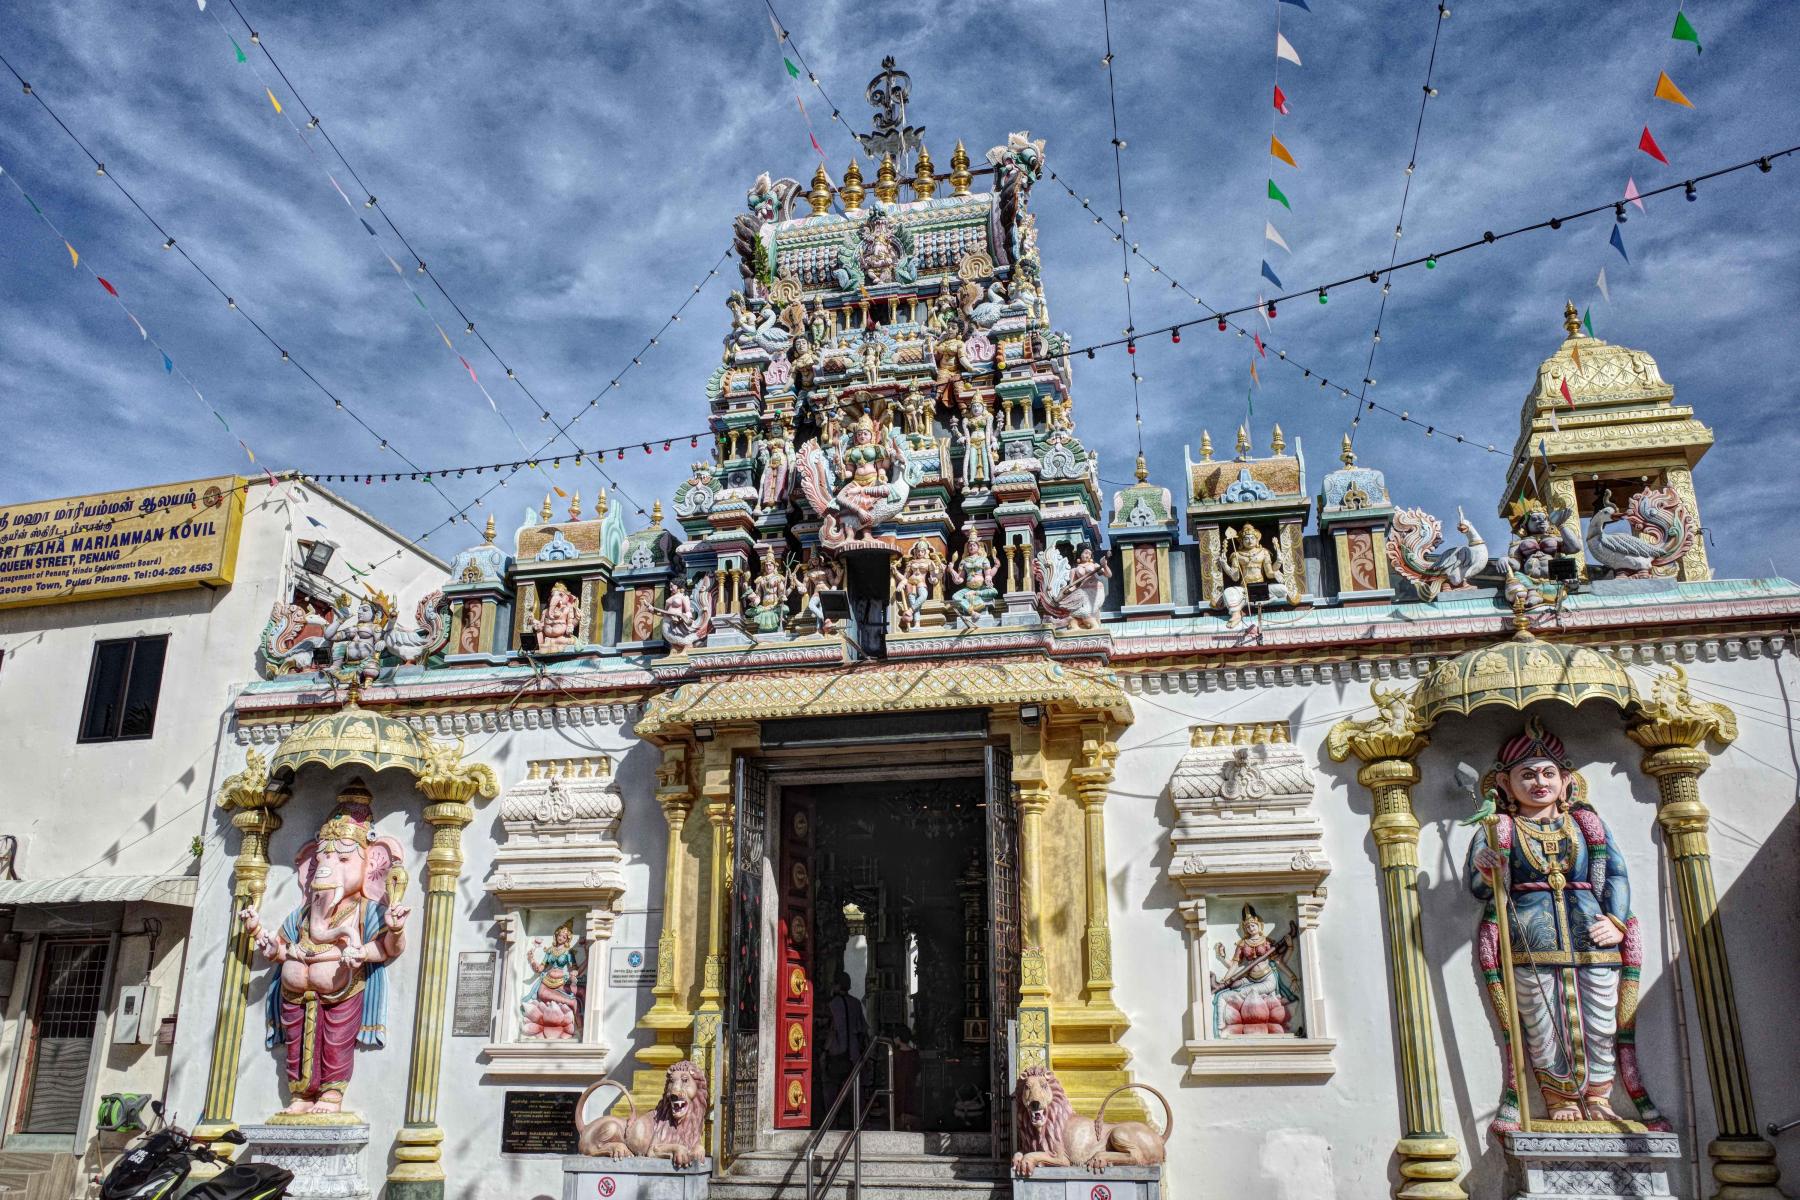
[960, 175]
[656, 514]
[1243, 441]
[544, 512]
[1571, 319]
[924, 184]
[1143, 469]
[820, 196]
[887, 181]
[575, 507]
[488, 535]
[1348, 453]
[1278, 443]
[1206, 445]
[852, 190]
[600, 504]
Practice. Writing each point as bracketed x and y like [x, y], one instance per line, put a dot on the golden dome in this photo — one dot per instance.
[352, 736]
[1522, 671]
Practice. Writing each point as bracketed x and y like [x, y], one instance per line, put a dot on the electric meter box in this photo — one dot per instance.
[135, 1022]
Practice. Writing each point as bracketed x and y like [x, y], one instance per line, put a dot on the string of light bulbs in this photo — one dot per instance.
[1427, 93]
[1118, 149]
[171, 244]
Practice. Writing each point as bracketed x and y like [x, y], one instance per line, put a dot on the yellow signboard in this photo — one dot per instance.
[150, 539]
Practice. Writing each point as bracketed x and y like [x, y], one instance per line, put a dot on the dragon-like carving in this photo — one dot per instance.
[1017, 166]
[764, 201]
[1414, 552]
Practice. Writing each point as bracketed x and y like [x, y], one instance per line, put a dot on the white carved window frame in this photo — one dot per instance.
[560, 852]
[1243, 835]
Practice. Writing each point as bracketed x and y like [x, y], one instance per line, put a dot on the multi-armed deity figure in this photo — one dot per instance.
[333, 950]
[552, 1005]
[1248, 563]
[558, 627]
[874, 488]
[915, 579]
[769, 591]
[1071, 593]
[973, 573]
[1559, 915]
[1258, 993]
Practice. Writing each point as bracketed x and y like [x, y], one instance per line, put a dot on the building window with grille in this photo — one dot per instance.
[123, 684]
[65, 1011]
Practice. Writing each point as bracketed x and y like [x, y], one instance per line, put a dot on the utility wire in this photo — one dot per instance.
[1118, 149]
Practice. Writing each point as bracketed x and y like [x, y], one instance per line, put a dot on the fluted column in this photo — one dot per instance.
[1034, 968]
[1427, 1152]
[253, 803]
[1093, 779]
[715, 788]
[418, 1148]
[1674, 731]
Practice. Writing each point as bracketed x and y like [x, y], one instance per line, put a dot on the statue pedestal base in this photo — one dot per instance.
[328, 1160]
[587, 1178]
[1589, 1166]
[1075, 1183]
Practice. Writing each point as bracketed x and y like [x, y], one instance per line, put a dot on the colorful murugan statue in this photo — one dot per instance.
[357, 639]
[333, 951]
[1558, 911]
[977, 431]
[775, 458]
[1259, 992]
[769, 591]
[973, 573]
[552, 1007]
[558, 627]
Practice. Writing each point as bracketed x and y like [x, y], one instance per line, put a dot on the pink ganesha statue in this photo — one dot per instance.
[333, 951]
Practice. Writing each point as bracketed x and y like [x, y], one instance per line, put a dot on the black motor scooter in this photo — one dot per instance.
[157, 1166]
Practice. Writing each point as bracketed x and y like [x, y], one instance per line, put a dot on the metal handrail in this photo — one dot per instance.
[852, 1088]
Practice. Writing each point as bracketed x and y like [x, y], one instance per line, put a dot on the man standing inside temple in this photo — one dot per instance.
[848, 1038]
[1574, 943]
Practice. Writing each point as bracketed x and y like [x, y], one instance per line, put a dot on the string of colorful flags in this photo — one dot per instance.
[1427, 93]
[170, 367]
[1284, 52]
[171, 244]
[1669, 92]
[1281, 355]
[1118, 149]
[795, 66]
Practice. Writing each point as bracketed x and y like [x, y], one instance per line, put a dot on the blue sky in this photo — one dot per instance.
[570, 171]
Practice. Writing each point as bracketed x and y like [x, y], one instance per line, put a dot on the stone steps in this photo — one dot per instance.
[937, 1166]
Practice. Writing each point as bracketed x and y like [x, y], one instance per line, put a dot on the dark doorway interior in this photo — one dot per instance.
[899, 907]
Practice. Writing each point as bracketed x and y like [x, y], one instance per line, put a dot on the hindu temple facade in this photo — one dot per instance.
[1175, 786]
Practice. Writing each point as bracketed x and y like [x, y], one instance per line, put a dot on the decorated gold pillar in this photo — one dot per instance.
[450, 788]
[1673, 730]
[1093, 778]
[1034, 969]
[1387, 745]
[252, 801]
[715, 788]
[667, 1021]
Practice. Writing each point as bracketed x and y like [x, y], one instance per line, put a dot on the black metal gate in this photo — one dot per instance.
[1003, 939]
[743, 1024]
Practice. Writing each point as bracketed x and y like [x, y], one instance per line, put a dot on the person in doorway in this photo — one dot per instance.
[848, 1038]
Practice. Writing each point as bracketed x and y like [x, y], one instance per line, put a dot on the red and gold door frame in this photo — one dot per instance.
[794, 1003]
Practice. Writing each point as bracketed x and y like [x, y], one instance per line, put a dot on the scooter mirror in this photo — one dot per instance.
[156, 1107]
[234, 1136]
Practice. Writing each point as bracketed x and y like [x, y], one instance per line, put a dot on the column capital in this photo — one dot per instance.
[1034, 799]
[1674, 721]
[448, 778]
[1395, 732]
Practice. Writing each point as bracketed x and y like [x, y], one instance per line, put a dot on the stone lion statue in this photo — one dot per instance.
[1051, 1135]
[673, 1130]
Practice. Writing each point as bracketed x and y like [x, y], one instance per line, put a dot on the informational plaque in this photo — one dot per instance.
[632, 967]
[473, 1015]
[539, 1123]
[150, 539]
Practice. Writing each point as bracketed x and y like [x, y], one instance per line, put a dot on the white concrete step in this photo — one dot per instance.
[882, 1141]
[917, 1166]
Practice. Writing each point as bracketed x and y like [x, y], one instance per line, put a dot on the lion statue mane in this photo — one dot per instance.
[673, 1130]
[1051, 1135]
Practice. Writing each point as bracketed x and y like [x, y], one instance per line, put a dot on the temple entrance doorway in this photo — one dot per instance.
[887, 906]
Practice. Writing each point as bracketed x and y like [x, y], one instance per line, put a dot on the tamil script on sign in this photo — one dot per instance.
[115, 543]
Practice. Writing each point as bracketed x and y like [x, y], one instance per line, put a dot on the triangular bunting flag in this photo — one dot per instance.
[1280, 101]
[1250, 400]
[1666, 90]
[1285, 49]
[419, 298]
[168, 365]
[467, 367]
[780, 33]
[354, 570]
[395, 265]
[75, 259]
[1270, 233]
[1587, 322]
[1269, 273]
[239, 49]
[1254, 378]
[142, 332]
[1631, 194]
[1575, 353]
[1570, 400]
[1684, 32]
[1618, 243]
[1257, 338]
[340, 190]
[445, 336]
[1555, 425]
[1297, 4]
[222, 420]
[1280, 151]
[559, 491]
[817, 149]
[110, 289]
[1601, 284]
[367, 226]
[33, 203]
[272, 99]
[247, 450]
[316, 523]
[202, 4]
[1275, 194]
[1648, 145]
[792, 70]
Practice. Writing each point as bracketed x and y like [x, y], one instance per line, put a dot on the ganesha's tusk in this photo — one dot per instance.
[397, 879]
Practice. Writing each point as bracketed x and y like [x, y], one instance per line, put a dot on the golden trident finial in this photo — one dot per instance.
[851, 192]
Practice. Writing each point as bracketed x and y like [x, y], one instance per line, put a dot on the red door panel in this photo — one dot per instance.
[794, 1002]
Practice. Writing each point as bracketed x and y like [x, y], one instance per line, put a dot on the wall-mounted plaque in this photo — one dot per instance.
[632, 967]
[473, 1015]
[539, 1123]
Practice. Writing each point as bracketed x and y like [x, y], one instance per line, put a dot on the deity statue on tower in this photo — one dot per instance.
[552, 1007]
[874, 485]
[333, 951]
[1558, 945]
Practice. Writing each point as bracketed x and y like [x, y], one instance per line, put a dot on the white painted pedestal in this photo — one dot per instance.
[1073, 1183]
[587, 1178]
[329, 1162]
[1589, 1166]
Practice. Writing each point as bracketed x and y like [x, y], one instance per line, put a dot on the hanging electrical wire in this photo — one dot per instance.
[1118, 149]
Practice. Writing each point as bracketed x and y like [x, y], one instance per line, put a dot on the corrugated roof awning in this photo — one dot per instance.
[100, 889]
